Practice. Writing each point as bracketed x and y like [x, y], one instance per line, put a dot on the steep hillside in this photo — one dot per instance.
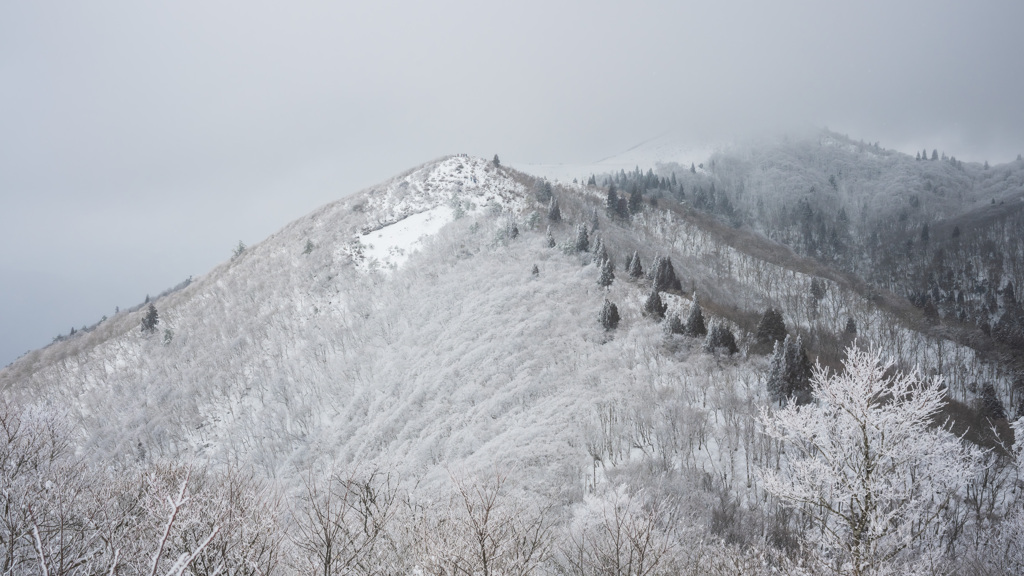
[444, 339]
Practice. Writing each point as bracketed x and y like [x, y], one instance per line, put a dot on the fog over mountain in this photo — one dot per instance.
[138, 144]
[800, 356]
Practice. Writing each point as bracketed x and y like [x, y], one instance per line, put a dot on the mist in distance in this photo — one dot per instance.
[140, 143]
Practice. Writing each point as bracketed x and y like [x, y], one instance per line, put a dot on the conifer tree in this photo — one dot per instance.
[535, 271]
[798, 376]
[675, 325]
[695, 321]
[636, 200]
[851, 326]
[609, 317]
[817, 289]
[554, 213]
[582, 239]
[654, 307]
[720, 337]
[623, 208]
[665, 275]
[496, 161]
[789, 376]
[611, 204]
[607, 274]
[543, 191]
[635, 269]
[550, 239]
[151, 319]
[600, 253]
[771, 328]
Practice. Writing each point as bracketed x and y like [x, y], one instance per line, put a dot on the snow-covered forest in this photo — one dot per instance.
[723, 369]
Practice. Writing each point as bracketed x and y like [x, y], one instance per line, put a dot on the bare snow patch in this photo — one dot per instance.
[390, 246]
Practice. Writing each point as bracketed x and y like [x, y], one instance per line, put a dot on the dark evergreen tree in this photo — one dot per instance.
[675, 325]
[535, 271]
[789, 374]
[611, 203]
[554, 213]
[692, 169]
[695, 321]
[636, 200]
[654, 307]
[609, 317]
[550, 239]
[607, 274]
[543, 191]
[665, 275]
[513, 233]
[496, 161]
[991, 406]
[582, 243]
[798, 375]
[151, 319]
[817, 289]
[935, 154]
[592, 181]
[851, 326]
[771, 328]
[720, 338]
[635, 269]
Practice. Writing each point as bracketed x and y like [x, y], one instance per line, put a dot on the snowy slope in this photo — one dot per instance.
[300, 351]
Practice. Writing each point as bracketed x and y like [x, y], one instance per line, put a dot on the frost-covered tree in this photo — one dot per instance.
[695, 321]
[554, 212]
[789, 375]
[865, 464]
[675, 325]
[582, 243]
[634, 268]
[600, 252]
[665, 275]
[607, 273]
[542, 190]
[496, 161]
[636, 200]
[611, 204]
[609, 316]
[549, 238]
[654, 307]
[535, 271]
[151, 319]
[720, 338]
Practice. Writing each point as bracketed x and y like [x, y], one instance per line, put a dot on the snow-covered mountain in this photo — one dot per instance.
[446, 325]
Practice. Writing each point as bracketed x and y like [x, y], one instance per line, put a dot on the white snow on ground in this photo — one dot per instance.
[417, 205]
[390, 246]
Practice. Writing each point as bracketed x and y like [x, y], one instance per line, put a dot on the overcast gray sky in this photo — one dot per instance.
[139, 141]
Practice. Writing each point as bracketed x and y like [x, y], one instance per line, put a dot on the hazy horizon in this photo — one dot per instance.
[140, 143]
